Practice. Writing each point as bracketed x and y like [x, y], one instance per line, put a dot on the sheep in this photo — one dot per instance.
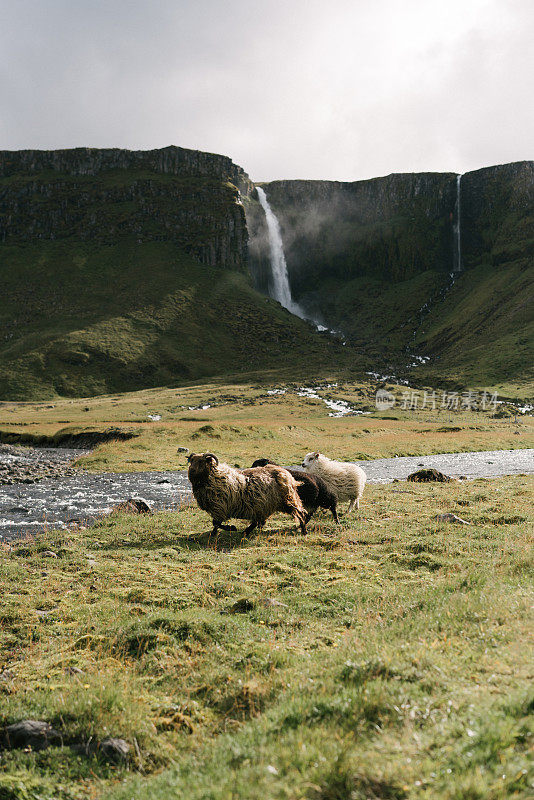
[252, 494]
[347, 481]
[312, 490]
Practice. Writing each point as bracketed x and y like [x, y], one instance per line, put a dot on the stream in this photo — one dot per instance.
[28, 508]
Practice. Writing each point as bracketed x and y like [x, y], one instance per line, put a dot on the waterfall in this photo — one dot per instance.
[279, 283]
[457, 229]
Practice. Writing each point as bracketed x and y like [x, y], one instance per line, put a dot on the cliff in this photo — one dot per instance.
[122, 270]
[374, 259]
[392, 227]
[126, 269]
[189, 198]
[498, 214]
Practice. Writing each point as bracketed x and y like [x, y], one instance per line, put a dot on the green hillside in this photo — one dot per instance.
[95, 319]
[124, 270]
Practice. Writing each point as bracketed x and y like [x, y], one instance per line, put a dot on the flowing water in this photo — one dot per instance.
[84, 498]
[280, 288]
[458, 228]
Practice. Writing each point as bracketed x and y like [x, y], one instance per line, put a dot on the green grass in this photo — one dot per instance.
[393, 661]
[483, 332]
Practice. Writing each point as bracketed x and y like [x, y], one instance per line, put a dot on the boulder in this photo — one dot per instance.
[428, 475]
[29, 733]
[134, 505]
[114, 750]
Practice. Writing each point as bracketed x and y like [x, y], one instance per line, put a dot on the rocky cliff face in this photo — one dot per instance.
[390, 228]
[396, 227]
[170, 160]
[374, 259]
[189, 198]
[498, 214]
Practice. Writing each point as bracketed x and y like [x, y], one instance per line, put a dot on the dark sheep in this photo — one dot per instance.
[312, 490]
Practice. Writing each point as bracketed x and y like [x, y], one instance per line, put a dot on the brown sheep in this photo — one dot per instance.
[253, 494]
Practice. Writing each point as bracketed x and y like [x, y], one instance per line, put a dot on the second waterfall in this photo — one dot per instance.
[280, 289]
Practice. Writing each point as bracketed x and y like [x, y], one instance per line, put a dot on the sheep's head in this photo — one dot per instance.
[200, 466]
[308, 460]
[262, 462]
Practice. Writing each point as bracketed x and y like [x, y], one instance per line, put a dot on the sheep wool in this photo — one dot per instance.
[346, 480]
[252, 494]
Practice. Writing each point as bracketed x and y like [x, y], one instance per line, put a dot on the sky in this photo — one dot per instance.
[329, 89]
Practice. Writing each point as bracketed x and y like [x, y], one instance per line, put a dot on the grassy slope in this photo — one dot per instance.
[89, 319]
[482, 334]
[396, 668]
[370, 281]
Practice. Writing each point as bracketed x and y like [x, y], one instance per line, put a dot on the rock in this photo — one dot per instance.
[428, 475]
[114, 750]
[48, 554]
[242, 606]
[183, 450]
[134, 505]
[73, 671]
[29, 733]
[450, 517]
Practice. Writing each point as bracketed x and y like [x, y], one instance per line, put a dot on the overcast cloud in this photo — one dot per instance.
[339, 89]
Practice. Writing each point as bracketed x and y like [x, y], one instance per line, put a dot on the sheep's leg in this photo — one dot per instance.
[217, 525]
[301, 518]
[309, 514]
[333, 509]
[351, 506]
[253, 524]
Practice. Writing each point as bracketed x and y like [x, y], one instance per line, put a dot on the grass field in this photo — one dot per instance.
[244, 422]
[388, 657]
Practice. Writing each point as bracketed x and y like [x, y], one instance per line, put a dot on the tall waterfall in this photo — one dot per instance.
[458, 229]
[279, 283]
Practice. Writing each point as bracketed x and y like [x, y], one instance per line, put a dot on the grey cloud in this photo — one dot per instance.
[345, 90]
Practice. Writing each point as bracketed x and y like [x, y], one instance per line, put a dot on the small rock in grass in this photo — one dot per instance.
[428, 475]
[183, 450]
[134, 505]
[450, 517]
[241, 606]
[114, 750]
[73, 671]
[48, 554]
[29, 733]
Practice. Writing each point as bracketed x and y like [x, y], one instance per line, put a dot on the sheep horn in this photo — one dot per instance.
[211, 457]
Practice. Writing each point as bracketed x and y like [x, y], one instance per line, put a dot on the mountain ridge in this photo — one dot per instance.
[107, 256]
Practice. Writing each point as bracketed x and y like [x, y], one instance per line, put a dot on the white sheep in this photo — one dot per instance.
[346, 480]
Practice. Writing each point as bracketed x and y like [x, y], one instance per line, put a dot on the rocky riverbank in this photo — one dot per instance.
[30, 464]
